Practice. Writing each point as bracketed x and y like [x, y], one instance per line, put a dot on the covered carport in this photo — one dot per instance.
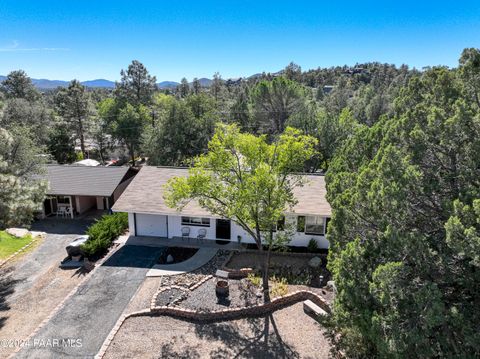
[74, 190]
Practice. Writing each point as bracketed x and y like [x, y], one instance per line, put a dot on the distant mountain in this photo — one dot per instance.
[101, 83]
[204, 82]
[45, 84]
[167, 84]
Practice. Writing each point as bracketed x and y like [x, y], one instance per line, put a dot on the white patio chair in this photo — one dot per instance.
[185, 232]
[202, 232]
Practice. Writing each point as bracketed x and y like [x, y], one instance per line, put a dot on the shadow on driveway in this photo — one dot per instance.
[134, 257]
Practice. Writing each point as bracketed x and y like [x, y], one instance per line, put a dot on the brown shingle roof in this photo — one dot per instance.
[83, 180]
[145, 195]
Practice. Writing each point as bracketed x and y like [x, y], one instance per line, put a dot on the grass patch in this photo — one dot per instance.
[10, 244]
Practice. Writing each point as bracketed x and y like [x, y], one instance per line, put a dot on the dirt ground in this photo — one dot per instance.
[22, 316]
[291, 334]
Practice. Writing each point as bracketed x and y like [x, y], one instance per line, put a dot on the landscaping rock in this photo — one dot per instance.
[331, 286]
[17, 232]
[315, 262]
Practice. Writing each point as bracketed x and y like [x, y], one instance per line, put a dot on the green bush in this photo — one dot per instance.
[104, 232]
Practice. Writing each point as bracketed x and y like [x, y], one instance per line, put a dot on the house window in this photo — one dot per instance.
[281, 224]
[196, 221]
[63, 199]
[314, 225]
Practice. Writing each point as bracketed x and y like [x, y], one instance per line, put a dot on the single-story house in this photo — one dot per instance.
[73, 190]
[149, 215]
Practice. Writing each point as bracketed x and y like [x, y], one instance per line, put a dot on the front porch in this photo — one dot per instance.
[181, 242]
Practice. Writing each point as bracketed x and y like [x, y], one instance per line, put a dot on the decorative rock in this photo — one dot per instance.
[331, 285]
[17, 232]
[169, 258]
[315, 262]
[311, 308]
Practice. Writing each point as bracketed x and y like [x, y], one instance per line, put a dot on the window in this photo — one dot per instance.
[196, 221]
[281, 224]
[301, 224]
[63, 199]
[314, 225]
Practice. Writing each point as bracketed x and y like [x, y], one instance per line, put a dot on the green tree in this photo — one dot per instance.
[35, 116]
[216, 86]
[470, 73]
[73, 104]
[21, 195]
[184, 88]
[137, 86]
[183, 131]
[244, 178]
[61, 143]
[196, 86]
[404, 230]
[128, 127]
[274, 102]
[18, 85]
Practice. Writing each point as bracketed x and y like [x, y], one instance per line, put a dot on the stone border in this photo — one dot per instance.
[10, 257]
[238, 313]
[219, 315]
[64, 300]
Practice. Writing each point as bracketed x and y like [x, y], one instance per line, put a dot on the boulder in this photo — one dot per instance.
[17, 232]
[315, 262]
[331, 286]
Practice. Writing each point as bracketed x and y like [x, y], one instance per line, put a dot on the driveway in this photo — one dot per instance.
[85, 320]
[31, 286]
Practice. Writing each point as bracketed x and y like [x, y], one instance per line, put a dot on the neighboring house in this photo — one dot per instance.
[74, 190]
[148, 214]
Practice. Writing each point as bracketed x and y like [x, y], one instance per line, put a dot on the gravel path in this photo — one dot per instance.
[291, 334]
[169, 296]
[242, 294]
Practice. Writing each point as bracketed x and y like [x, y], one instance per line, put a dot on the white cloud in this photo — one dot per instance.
[15, 47]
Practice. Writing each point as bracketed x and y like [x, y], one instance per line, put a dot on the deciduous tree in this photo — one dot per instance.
[247, 180]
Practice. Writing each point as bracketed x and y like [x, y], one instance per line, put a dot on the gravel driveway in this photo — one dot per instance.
[89, 315]
[32, 285]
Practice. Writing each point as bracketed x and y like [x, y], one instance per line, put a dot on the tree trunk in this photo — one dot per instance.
[132, 154]
[82, 138]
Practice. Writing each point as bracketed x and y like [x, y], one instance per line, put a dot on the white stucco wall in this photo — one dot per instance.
[131, 224]
[156, 225]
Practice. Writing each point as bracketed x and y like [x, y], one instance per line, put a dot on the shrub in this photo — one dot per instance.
[312, 245]
[254, 279]
[279, 287]
[103, 232]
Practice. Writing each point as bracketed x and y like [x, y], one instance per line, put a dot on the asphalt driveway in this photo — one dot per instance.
[80, 327]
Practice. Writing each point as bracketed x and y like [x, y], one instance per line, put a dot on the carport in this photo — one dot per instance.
[74, 190]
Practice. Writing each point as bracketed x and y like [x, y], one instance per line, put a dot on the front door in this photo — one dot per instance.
[223, 229]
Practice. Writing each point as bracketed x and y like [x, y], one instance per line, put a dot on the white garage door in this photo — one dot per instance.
[151, 225]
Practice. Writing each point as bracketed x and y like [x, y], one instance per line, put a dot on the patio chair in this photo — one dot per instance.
[61, 211]
[202, 232]
[185, 232]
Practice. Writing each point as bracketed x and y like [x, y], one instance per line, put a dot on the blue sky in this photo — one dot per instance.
[95, 39]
